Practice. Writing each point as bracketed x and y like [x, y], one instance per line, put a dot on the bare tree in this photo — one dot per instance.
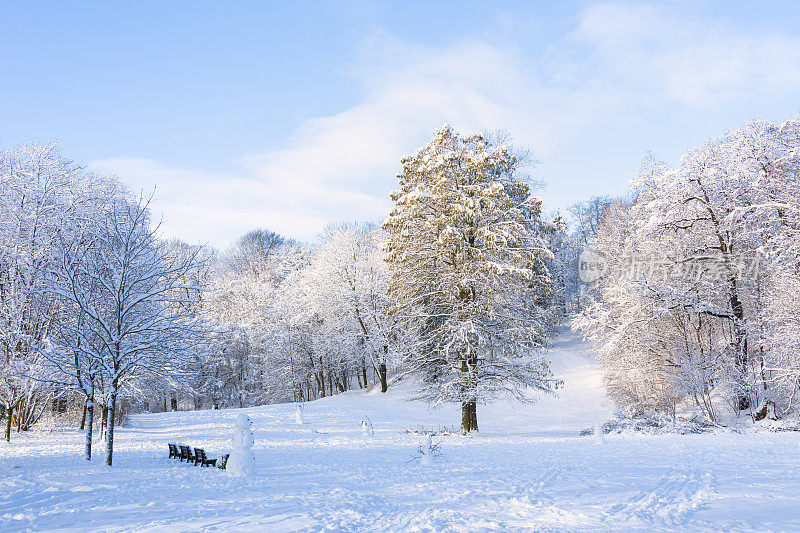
[700, 294]
[138, 312]
[43, 196]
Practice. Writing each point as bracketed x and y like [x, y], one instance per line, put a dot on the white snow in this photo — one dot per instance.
[526, 469]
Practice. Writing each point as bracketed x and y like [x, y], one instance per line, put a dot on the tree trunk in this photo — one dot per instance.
[364, 371]
[737, 309]
[740, 333]
[766, 411]
[174, 403]
[20, 413]
[473, 421]
[382, 377]
[382, 369]
[110, 423]
[319, 376]
[83, 418]
[9, 414]
[466, 415]
[88, 414]
[104, 423]
[469, 417]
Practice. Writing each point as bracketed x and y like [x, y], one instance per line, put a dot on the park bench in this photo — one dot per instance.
[201, 459]
[186, 454]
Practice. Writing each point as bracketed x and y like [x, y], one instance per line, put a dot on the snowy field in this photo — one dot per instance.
[526, 469]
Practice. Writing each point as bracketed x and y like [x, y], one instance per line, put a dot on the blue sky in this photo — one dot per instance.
[292, 115]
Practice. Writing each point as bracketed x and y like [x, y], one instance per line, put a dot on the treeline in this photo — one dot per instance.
[99, 316]
[298, 322]
[691, 302]
[698, 309]
[97, 310]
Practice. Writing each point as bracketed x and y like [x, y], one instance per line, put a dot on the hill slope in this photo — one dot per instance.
[527, 468]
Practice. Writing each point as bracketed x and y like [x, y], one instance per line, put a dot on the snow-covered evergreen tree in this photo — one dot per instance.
[469, 259]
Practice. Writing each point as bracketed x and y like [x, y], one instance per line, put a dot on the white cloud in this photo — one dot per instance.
[658, 55]
[618, 61]
[210, 208]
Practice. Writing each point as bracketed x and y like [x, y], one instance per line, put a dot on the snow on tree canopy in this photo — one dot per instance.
[469, 259]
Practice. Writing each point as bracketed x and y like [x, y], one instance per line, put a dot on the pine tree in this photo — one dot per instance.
[469, 262]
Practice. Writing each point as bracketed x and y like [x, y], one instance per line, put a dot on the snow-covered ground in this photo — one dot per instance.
[526, 469]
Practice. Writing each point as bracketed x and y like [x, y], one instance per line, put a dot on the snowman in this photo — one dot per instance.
[241, 461]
